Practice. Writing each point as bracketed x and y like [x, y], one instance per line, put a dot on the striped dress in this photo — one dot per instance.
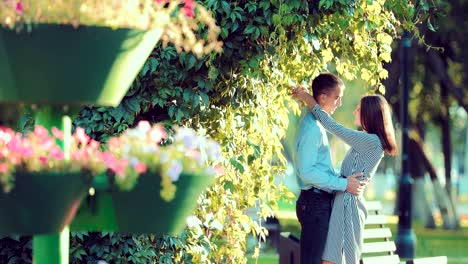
[344, 239]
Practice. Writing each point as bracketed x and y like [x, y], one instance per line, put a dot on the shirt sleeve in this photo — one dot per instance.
[309, 174]
[359, 140]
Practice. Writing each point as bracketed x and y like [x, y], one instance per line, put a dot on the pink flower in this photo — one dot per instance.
[15, 144]
[219, 169]
[47, 143]
[57, 133]
[43, 160]
[76, 156]
[41, 132]
[27, 151]
[6, 129]
[108, 158]
[85, 155]
[114, 142]
[15, 159]
[81, 136]
[120, 167]
[93, 144]
[3, 168]
[19, 7]
[188, 8]
[140, 167]
[56, 153]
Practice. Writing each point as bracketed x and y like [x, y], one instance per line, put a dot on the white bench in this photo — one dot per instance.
[377, 241]
[378, 247]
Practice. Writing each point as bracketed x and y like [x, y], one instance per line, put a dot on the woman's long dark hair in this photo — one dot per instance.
[376, 119]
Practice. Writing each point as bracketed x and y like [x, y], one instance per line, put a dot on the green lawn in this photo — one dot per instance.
[439, 242]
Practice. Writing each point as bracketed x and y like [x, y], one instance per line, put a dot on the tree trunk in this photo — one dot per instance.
[447, 151]
[446, 139]
[422, 211]
[441, 71]
[440, 194]
[421, 208]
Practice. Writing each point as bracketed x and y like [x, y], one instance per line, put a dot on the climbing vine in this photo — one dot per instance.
[240, 98]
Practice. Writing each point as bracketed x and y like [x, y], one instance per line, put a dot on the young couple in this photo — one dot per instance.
[330, 207]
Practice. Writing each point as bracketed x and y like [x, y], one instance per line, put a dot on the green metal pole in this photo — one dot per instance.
[53, 248]
[405, 238]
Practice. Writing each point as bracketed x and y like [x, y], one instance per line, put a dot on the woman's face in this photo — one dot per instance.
[357, 115]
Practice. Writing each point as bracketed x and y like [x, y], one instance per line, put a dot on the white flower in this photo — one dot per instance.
[134, 161]
[5, 137]
[187, 136]
[144, 126]
[164, 157]
[214, 150]
[174, 170]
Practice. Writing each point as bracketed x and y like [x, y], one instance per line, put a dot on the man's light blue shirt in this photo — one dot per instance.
[312, 158]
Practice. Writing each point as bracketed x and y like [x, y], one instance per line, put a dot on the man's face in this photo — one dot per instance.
[331, 101]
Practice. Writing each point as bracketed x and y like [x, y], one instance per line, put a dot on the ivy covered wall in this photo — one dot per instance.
[240, 98]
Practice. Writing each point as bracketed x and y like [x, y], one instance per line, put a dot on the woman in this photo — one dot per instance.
[344, 239]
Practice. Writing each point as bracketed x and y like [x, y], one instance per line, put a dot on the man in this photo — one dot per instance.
[316, 176]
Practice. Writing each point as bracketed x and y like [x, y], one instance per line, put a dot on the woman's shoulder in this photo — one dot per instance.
[373, 141]
[376, 142]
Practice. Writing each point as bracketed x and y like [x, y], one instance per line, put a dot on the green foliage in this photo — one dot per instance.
[89, 247]
[238, 98]
[15, 249]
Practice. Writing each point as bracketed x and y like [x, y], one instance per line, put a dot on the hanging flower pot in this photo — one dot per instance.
[41, 203]
[60, 64]
[151, 188]
[142, 210]
[40, 186]
[89, 52]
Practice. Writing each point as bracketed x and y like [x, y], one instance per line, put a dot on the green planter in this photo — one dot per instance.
[60, 64]
[41, 203]
[142, 210]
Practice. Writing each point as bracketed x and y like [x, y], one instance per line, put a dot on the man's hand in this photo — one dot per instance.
[354, 185]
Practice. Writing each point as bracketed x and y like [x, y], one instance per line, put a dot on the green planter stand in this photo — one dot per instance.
[61, 65]
[142, 210]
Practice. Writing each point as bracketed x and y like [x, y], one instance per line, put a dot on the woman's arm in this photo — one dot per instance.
[300, 94]
[360, 141]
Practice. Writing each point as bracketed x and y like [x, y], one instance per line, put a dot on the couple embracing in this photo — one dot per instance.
[330, 207]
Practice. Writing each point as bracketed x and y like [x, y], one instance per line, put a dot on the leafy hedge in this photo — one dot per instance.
[240, 98]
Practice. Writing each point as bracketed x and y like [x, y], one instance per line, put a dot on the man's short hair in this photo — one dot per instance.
[325, 83]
